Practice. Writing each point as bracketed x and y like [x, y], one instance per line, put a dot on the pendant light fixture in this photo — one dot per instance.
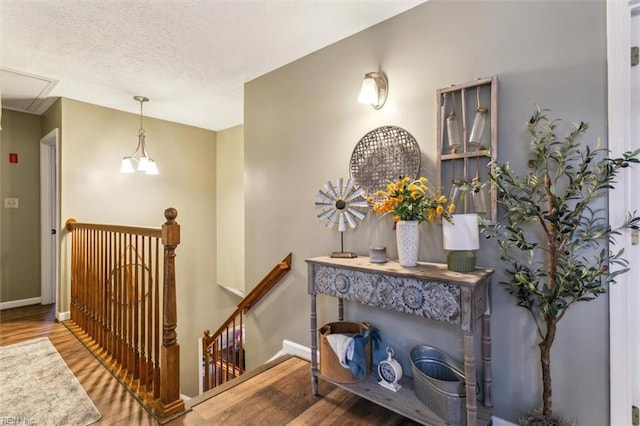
[140, 155]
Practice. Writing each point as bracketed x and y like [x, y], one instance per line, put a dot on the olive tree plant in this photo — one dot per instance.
[554, 236]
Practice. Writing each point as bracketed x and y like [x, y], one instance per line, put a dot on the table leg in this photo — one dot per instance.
[468, 347]
[470, 377]
[314, 345]
[486, 360]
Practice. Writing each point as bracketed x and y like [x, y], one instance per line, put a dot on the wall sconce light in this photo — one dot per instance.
[140, 155]
[461, 237]
[375, 88]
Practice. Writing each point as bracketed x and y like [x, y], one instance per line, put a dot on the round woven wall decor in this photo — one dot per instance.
[383, 155]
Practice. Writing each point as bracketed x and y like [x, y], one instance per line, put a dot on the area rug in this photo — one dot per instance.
[37, 387]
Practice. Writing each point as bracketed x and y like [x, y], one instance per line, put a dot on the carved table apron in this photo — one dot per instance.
[429, 290]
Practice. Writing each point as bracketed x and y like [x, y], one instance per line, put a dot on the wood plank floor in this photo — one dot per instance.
[115, 404]
[282, 395]
[279, 396]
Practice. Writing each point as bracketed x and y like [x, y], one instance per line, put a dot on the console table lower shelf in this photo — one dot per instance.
[404, 401]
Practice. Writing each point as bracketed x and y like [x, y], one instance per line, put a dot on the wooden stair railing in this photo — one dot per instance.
[123, 307]
[223, 351]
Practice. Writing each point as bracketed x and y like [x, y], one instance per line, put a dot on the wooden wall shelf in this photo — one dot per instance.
[465, 162]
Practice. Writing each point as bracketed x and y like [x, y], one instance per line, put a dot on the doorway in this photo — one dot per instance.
[623, 31]
[634, 252]
[49, 217]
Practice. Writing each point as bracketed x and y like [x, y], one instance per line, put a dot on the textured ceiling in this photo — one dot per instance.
[191, 58]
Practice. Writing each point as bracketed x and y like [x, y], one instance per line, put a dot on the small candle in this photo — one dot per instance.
[377, 254]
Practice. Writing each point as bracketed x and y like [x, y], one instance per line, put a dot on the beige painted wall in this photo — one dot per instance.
[302, 123]
[93, 142]
[230, 207]
[52, 117]
[20, 228]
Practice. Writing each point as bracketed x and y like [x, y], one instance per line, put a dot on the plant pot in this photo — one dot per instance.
[408, 240]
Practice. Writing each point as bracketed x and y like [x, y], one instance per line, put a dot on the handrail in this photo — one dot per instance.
[258, 292]
[223, 350]
[72, 224]
[265, 285]
[117, 302]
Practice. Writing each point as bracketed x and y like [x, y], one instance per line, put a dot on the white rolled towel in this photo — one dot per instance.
[342, 345]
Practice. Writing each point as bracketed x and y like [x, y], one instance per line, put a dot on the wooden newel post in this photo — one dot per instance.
[170, 402]
[69, 224]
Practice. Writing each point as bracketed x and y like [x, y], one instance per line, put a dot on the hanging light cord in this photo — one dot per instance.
[141, 131]
[141, 142]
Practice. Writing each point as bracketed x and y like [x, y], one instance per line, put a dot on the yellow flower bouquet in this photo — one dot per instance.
[412, 200]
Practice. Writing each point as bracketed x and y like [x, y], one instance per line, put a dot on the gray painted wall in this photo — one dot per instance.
[302, 123]
[20, 244]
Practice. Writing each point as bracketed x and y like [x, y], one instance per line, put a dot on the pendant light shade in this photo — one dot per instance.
[152, 169]
[127, 165]
[140, 155]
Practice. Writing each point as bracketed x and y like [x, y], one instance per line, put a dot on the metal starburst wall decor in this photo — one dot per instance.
[341, 204]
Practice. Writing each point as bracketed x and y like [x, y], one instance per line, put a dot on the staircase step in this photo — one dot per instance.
[236, 381]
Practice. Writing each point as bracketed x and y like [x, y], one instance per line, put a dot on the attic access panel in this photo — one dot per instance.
[25, 92]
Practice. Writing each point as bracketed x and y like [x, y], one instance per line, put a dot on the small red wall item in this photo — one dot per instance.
[13, 158]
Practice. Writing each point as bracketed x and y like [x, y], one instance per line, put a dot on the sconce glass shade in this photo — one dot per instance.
[460, 238]
[374, 90]
[368, 92]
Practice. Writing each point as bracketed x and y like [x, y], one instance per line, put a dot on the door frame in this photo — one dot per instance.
[624, 319]
[49, 196]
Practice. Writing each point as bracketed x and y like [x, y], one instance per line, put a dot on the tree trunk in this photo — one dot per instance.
[545, 360]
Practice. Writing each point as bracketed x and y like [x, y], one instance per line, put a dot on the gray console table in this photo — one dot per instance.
[429, 290]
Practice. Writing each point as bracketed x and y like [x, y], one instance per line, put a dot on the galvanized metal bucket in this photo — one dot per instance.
[439, 383]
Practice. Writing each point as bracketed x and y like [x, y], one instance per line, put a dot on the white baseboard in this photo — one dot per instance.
[233, 290]
[19, 303]
[277, 355]
[63, 316]
[293, 348]
[200, 362]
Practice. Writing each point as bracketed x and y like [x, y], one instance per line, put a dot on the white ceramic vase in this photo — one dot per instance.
[408, 240]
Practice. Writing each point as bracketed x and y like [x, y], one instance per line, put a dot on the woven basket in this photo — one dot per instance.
[329, 364]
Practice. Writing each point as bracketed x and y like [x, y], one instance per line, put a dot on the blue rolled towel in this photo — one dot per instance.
[358, 363]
